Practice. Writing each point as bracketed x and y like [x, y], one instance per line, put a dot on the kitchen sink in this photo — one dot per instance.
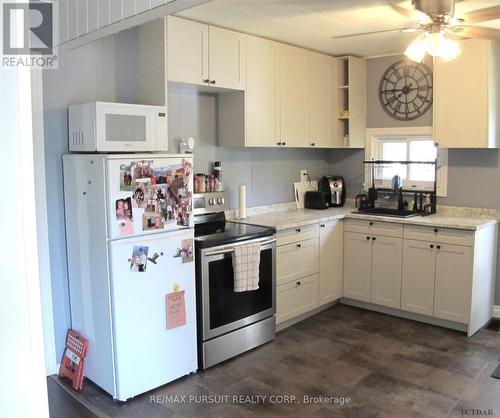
[388, 212]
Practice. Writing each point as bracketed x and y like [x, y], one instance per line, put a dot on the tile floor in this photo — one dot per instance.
[386, 366]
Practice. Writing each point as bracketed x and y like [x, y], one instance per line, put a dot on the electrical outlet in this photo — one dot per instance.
[303, 176]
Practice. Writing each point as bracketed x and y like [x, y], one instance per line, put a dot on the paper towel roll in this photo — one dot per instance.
[243, 201]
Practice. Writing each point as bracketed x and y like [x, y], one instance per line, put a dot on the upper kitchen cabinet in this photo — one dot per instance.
[187, 51]
[205, 55]
[467, 97]
[351, 102]
[261, 105]
[322, 101]
[294, 96]
[226, 58]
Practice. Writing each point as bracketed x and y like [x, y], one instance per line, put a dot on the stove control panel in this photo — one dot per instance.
[211, 202]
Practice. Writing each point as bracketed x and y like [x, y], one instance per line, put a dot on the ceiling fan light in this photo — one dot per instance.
[450, 51]
[435, 43]
[416, 50]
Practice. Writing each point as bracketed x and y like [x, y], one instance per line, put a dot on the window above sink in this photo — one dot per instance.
[406, 144]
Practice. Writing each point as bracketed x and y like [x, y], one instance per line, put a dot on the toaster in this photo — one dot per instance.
[316, 200]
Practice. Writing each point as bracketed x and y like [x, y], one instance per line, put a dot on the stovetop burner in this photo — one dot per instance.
[211, 228]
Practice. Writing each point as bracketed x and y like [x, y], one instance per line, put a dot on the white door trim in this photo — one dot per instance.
[42, 223]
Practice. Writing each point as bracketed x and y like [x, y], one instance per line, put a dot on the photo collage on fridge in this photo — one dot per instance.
[159, 195]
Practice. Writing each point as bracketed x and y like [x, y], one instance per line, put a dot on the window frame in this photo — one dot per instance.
[375, 136]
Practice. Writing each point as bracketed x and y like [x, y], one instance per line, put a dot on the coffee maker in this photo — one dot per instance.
[334, 188]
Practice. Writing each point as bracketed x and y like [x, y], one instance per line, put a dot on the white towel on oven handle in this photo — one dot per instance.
[246, 262]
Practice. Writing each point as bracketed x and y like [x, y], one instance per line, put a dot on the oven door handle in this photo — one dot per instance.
[231, 250]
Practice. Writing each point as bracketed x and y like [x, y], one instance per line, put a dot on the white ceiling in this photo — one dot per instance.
[312, 23]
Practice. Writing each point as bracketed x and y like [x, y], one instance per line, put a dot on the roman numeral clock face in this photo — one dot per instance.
[405, 90]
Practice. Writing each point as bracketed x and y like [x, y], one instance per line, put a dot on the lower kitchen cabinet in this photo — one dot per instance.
[331, 261]
[386, 258]
[372, 269]
[357, 266]
[437, 280]
[445, 275]
[297, 260]
[453, 284]
[296, 297]
[417, 292]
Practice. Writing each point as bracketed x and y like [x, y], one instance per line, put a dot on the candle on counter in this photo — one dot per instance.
[243, 201]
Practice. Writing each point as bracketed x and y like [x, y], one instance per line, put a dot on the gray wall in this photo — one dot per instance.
[268, 173]
[93, 72]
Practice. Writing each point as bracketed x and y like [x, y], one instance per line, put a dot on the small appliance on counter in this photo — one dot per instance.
[334, 189]
[316, 200]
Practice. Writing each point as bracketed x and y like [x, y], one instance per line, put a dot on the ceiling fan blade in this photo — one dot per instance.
[476, 32]
[483, 15]
[376, 32]
[413, 14]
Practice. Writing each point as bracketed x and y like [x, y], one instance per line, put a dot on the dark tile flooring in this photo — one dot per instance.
[387, 366]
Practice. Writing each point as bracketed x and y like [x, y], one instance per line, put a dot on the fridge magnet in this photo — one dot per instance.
[176, 309]
[151, 221]
[126, 227]
[126, 184]
[143, 170]
[139, 259]
[162, 175]
[139, 196]
[154, 258]
[186, 251]
[124, 209]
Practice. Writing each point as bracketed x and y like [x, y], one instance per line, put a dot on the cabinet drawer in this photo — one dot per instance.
[296, 298]
[444, 235]
[386, 229]
[297, 260]
[297, 234]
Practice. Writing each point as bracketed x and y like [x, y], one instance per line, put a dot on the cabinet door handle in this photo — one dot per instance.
[206, 80]
[298, 230]
[212, 82]
[436, 230]
[298, 283]
[283, 143]
[278, 143]
[322, 225]
[432, 245]
[299, 245]
[367, 237]
[438, 247]
[373, 239]
[312, 144]
[371, 223]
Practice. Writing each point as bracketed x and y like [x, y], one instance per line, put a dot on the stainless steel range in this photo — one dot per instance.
[229, 322]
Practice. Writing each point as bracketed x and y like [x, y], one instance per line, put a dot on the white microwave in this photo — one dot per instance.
[117, 127]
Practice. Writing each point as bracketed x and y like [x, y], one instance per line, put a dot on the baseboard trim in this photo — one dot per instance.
[282, 325]
[496, 311]
[406, 315]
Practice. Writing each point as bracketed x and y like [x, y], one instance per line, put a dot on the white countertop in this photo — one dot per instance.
[299, 217]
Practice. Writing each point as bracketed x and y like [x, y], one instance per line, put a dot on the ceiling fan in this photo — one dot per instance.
[439, 25]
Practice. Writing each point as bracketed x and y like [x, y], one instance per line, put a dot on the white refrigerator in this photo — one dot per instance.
[129, 230]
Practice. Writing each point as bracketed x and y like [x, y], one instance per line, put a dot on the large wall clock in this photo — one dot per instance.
[405, 90]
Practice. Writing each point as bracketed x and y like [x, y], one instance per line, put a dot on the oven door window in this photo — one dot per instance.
[228, 306]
